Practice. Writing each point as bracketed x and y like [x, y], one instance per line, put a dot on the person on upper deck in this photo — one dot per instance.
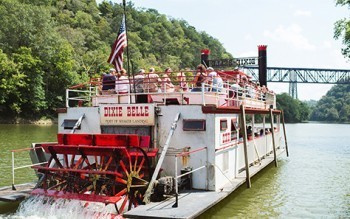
[234, 89]
[264, 91]
[138, 83]
[242, 86]
[167, 86]
[122, 83]
[215, 80]
[250, 89]
[200, 78]
[258, 91]
[181, 78]
[108, 80]
[211, 74]
[138, 87]
[151, 81]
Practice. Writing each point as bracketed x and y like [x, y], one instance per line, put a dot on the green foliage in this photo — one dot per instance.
[294, 110]
[334, 106]
[32, 93]
[10, 81]
[342, 29]
[49, 45]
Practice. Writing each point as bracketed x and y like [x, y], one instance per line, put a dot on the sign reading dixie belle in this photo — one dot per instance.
[130, 115]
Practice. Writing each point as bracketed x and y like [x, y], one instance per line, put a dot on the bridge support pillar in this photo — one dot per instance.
[293, 89]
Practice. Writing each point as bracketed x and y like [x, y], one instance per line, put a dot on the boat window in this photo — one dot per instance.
[223, 124]
[69, 123]
[171, 101]
[194, 125]
[234, 125]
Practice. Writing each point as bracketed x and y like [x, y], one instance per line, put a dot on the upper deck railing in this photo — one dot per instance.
[228, 93]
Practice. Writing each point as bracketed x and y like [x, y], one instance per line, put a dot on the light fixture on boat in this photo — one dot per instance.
[158, 111]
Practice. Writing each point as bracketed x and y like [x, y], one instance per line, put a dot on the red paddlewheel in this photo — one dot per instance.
[118, 175]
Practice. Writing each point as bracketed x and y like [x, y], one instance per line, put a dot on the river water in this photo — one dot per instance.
[313, 182]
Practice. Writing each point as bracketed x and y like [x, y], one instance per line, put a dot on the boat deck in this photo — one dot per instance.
[22, 191]
[193, 203]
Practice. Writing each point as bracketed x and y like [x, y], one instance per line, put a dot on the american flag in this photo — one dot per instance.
[116, 56]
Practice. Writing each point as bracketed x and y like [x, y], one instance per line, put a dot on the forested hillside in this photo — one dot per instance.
[334, 106]
[294, 110]
[48, 45]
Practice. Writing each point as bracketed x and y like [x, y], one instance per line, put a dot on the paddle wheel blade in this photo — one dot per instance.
[81, 197]
[116, 175]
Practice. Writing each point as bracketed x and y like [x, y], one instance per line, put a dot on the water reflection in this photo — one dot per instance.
[17, 137]
[311, 183]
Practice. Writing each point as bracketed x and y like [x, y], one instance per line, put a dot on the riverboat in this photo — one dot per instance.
[160, 154]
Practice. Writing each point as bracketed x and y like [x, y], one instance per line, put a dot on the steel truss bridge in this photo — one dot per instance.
[301, 75]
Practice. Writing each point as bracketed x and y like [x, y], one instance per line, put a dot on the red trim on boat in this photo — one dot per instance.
[78, 150]
[61, 110]
[235, 110]
[98, 139]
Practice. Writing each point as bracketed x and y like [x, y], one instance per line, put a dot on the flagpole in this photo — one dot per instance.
[127, 50]
[127, 38]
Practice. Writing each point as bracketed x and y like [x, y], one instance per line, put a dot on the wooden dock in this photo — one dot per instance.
[22, 191]
[191, 204]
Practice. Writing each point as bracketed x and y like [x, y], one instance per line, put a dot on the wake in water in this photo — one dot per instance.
[40, 207]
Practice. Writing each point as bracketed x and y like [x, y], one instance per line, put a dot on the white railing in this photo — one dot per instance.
[176, 177]
[80, 96]
[24, 166]
[234, 95]
[227, 95]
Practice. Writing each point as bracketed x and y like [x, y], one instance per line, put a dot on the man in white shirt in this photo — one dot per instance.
[216, 80]
[151, 81]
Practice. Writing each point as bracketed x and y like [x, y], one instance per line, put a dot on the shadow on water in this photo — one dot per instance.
[311, 183]
[244, 202]
[8, 207]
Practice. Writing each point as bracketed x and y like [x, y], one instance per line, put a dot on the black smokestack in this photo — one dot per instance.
[262, 65]
[205, 57]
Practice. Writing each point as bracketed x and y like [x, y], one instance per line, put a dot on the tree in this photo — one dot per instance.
[294, 110]
[10, 80]
[32, 98]
[334, 106]
[49, 45]
[342, 29]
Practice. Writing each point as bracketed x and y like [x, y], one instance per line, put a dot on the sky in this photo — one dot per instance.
[298, 33]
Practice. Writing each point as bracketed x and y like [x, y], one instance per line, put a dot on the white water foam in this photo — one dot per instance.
[40, 207]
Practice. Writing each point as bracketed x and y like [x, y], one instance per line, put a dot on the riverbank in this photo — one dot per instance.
[41, 121]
